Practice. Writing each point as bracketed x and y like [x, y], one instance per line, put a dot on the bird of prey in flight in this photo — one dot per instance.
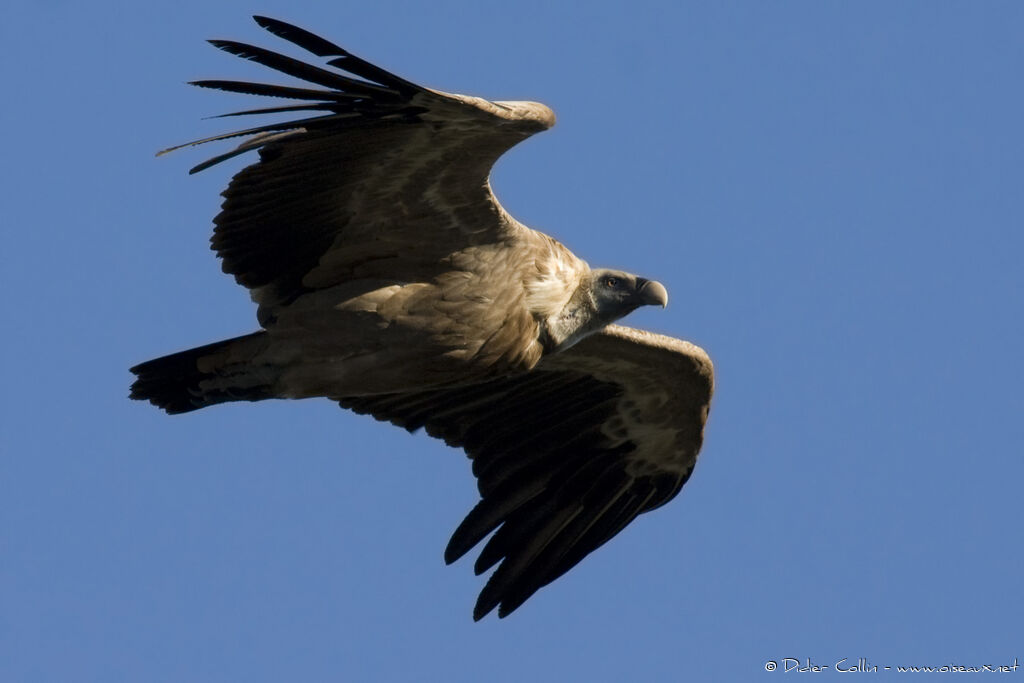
[388, 278]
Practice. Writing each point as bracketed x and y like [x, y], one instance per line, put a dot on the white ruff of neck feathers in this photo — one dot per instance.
[558, 275]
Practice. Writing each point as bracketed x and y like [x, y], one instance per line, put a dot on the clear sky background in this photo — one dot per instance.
[832, 193]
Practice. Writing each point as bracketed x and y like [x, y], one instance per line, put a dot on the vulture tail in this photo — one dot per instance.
[205, 376]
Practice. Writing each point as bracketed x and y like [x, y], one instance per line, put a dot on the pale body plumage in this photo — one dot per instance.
[389, 278]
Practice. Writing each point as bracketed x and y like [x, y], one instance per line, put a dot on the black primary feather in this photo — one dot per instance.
[345, 59]
[271, 90]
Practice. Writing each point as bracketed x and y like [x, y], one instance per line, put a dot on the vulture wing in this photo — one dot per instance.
[385, 179]
[614, 427]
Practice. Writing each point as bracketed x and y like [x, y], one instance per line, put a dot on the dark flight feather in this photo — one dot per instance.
[301, 70]
[344, 59]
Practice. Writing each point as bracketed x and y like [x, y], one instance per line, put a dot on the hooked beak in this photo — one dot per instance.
[651, 293]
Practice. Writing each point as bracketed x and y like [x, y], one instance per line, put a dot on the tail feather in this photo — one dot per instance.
[204, 376]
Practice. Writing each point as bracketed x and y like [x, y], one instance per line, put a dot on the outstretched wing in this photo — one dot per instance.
[383, 180]
[566, 455]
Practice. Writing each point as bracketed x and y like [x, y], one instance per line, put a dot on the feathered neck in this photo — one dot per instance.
[577, 319]
[558, 296]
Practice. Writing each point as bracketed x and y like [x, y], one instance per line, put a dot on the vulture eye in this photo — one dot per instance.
[611, 282]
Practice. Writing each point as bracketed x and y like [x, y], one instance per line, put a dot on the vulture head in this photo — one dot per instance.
[616, 293]
[602, 297]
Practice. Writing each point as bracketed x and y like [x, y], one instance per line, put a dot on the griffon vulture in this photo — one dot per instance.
[388, 278]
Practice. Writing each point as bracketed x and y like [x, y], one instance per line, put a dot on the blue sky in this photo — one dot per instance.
[832, 194]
